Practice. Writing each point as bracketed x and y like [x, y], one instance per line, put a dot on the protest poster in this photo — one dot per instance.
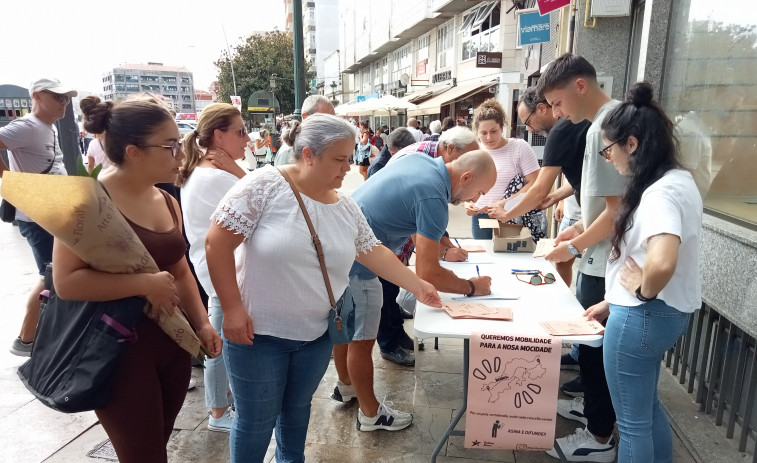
[512, 391]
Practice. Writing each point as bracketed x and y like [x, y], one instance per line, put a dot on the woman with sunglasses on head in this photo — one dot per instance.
[150, 383]
[652, 281]
[208, 171]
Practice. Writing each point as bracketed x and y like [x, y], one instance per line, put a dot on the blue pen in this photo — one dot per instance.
[477, 271]
[457, 243]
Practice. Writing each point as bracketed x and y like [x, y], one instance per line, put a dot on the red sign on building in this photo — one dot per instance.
[420, 67]
[545, 6]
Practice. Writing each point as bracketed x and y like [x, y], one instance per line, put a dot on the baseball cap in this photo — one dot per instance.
[52, 85]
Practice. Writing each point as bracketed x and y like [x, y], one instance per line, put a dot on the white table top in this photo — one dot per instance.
[536, 303]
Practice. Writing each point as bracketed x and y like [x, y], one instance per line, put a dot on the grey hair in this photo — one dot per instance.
[530, 98]
[458, 136]
[435, 126]
[318, 132]
[400, 138]
[311, 104]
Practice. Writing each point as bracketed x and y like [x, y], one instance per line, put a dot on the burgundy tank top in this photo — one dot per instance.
[166, 247]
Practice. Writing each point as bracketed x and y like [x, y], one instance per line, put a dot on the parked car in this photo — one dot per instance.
[185, 127]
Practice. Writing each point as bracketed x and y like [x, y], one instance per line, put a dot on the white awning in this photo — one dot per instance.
[434, 105]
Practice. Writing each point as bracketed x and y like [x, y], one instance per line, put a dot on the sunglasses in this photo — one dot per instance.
[242, 131]
[537, 278]
[175, 147]
[60, 98]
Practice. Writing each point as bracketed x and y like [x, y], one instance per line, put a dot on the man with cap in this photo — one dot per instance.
[32, 144]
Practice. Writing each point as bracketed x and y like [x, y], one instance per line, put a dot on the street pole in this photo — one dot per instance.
[299, 59]
[231, 62]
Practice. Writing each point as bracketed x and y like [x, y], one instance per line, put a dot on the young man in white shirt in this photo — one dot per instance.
[32, 144]
[570, 86]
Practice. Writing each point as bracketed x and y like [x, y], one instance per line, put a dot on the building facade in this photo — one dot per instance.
[319, 22]
[175, 84]
[446, 56]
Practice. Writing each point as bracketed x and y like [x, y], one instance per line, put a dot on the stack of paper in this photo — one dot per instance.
[477, 310]
[575, 327]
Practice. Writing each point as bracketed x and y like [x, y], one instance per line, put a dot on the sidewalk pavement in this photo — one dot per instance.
[431, 391]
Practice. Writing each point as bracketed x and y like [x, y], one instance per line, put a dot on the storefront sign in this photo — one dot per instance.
[360, 98]
[533, 28]
[545, 6]
[512, 391]
[487, 59]
[441, 76]
[420, 67]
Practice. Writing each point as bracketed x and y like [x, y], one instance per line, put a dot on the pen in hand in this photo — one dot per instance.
[477, 271]
[457, 243]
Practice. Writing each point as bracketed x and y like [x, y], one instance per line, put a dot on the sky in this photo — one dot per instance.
[77, 41]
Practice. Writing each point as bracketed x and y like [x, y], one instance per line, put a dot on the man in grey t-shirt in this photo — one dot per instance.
[32, 144]
[570, 86]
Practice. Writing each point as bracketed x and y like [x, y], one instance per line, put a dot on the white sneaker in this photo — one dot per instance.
[572, 409]
[386, 418]
[582, 446]
[343, 392]
[192, 384]
[222, 424]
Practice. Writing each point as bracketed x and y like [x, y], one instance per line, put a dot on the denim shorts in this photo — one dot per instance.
[369, 297]
[41, 242]
[566, 222]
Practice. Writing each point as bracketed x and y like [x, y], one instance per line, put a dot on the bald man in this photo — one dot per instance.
[408, 198]
[313, 104]
[412, 126]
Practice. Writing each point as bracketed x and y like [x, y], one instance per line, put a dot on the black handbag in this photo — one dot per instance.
[76, 349]
[7, 212]
[342, 314]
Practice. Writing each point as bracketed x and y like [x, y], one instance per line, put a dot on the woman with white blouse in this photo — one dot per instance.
[517, 169]
[652, 281]
[208, 171]
[275, 303]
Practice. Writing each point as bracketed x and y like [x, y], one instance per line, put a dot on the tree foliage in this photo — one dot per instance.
[254, 61]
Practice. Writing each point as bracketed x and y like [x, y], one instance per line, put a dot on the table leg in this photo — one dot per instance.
[456, 419]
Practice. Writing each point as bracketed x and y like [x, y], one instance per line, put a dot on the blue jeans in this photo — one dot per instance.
[480, 233]
[40, 241]
[217, 393]
[273, 381]
[635, 340]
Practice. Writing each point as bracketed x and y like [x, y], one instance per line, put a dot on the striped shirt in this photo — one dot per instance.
[516, 157]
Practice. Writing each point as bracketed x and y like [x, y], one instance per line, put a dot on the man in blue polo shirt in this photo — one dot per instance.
[409, 197]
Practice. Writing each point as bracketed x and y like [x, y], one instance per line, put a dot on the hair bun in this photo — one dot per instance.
[290, 135]
[640, 94]
[97, 114]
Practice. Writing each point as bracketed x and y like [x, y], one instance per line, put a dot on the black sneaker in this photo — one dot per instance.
[568, 363]
[405, 314]
[574, 388]
[406, 342]
[399, 356]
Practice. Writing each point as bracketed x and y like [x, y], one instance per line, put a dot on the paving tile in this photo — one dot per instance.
[77, 450]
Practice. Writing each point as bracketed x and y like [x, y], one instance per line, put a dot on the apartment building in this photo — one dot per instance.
[174, 83]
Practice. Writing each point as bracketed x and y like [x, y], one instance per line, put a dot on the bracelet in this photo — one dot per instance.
[472, 289]
[641, 297]
[444, 253]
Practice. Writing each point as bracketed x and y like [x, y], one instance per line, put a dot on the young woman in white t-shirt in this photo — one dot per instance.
[208, 171]
[517, 169]
[652, 280]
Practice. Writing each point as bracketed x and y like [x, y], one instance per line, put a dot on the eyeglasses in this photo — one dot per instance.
[60, 98]
[606, 151]
[528, 119]
[175, 147]
[537, 278]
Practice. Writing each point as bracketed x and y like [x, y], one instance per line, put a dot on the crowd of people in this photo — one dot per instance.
[628, 209]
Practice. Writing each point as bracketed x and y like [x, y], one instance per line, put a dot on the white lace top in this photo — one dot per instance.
[279, 276]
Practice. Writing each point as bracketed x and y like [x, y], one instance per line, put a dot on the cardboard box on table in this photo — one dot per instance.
[508, 237]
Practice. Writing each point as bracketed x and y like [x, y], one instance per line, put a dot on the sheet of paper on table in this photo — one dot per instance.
[488, 223]
[543, 247]
[477, 310]
[572, 327]
[473, 248]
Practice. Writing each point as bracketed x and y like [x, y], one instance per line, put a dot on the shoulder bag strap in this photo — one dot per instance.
[313, 234]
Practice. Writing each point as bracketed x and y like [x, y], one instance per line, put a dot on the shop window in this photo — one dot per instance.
[710, 92]
[444, 45]
[480, 29]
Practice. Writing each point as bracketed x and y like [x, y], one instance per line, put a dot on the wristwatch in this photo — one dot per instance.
[573, 251]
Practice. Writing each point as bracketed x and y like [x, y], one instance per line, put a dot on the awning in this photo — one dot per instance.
[434, 105]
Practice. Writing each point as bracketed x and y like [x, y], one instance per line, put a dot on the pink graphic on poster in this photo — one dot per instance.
[545, 6]
[512, 391]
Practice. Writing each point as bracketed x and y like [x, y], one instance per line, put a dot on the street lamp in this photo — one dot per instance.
[273, 99]
[333, 90]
